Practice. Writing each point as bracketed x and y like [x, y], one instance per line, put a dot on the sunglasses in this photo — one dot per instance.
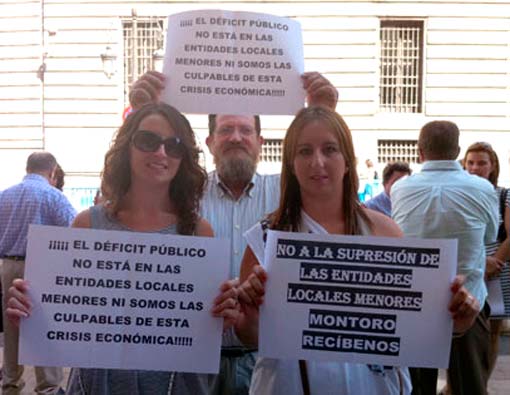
[147, 141]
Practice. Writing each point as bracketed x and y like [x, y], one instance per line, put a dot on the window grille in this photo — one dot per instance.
[271, 151]
[142, 37]
[401, 66]
[397, 151]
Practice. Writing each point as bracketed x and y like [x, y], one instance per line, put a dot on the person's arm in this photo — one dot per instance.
[506, 219]
[248, 262]
[251, 296]
[383, 225]
[63, 212]
[463, 307]
[204, 229]
[82, 220]
[493, 264]
[490, 207]
[503, 251]
[319, 91]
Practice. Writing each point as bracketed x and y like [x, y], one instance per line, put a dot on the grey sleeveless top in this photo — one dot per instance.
[84, 381]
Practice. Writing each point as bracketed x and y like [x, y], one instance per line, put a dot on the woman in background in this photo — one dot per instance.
[481, 160]
[58, 178]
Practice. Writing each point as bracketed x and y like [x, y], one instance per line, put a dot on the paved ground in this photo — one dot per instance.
[499, 383]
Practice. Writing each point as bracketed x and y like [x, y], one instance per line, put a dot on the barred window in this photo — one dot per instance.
[397, 151]
[142, 37]
[401, 66]
[271, 150]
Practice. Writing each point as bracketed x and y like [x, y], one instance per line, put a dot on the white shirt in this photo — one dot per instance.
[230, 218]
[445, 202]
[282, 376]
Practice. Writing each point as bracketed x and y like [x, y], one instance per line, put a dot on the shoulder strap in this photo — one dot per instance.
[304, 377]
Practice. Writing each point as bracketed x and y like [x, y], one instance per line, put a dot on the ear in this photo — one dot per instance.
[53, 177]
[458, 152]
[260, 141]
[209, 141]
[421, 157]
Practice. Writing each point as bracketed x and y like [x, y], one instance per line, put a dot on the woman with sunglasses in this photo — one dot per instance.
[151, 182]
[319, 187]
[481, 160]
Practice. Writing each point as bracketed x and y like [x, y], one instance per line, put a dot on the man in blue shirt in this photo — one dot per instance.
[444, 201]
[33, 201]
[391, 173]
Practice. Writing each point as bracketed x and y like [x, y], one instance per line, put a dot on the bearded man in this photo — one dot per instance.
[236, 198]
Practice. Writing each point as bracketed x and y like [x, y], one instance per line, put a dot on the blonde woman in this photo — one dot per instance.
[319, 194]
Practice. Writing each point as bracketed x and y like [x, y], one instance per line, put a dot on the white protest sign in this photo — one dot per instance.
[226, 62]
[357, 299]
[111, 299]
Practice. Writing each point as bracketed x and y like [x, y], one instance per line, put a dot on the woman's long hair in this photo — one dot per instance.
[185, 190]
[485, 147]
[288, 215]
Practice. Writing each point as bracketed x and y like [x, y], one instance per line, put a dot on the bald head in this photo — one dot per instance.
[42, 163]
[439, 140]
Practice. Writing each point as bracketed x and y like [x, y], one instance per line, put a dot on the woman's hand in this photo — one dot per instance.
[18, 303]
[226, 303]
[251, 296]
[463, 306]
[493, 267]
[147, 89]
[251, 291]
[319, 91]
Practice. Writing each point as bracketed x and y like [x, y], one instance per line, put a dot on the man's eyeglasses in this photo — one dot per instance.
[244, 130]
[147, 141]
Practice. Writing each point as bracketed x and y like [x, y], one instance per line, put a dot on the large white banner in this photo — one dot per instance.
[358, 299]
[226, 62]
[110, 299]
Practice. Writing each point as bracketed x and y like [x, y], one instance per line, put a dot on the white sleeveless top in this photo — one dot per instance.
[279, 376]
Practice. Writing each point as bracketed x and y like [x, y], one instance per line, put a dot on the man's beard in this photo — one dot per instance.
[235, 170]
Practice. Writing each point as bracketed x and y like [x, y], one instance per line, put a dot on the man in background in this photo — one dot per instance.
[391, 173]
[444, 201]
[33, 201]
